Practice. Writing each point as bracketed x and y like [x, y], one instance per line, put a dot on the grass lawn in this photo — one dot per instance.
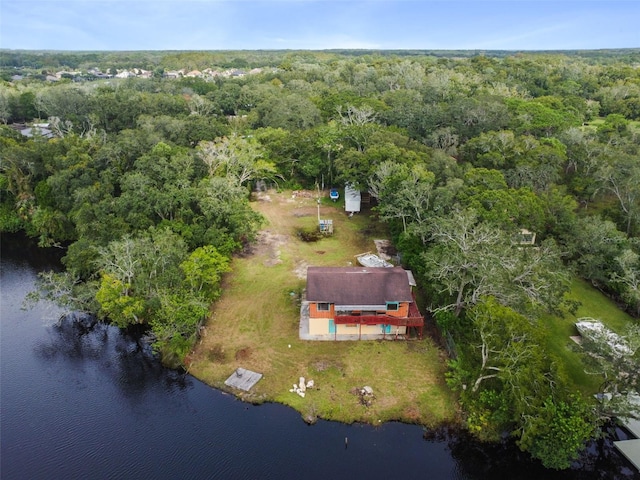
[255, 326]
[593, 304]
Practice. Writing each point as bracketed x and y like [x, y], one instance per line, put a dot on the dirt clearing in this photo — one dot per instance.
[255, 326]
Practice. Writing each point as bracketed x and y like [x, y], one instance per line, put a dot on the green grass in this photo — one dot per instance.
[255, 326]
[592, 304]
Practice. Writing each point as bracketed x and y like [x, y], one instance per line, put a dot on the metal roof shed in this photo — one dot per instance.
[352, 199]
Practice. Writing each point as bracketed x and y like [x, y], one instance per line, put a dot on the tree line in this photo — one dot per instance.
[146, 185]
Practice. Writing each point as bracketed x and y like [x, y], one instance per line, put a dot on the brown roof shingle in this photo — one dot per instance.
[357, 285]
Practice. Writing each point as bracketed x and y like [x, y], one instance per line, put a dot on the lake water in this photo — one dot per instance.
[88, 402]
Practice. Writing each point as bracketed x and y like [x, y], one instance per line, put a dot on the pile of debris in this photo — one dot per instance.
[301, 387]
[366, 395]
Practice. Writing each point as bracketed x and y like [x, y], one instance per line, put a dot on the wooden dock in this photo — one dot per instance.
[243, 379]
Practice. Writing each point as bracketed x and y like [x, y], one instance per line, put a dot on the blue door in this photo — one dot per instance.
[386, 328]
[332, 326]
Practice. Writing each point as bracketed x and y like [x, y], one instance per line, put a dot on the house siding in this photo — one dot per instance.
[320, 326]
[403, 310]
[315, 313]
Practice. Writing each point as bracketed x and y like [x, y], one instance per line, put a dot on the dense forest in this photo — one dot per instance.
[145, 182]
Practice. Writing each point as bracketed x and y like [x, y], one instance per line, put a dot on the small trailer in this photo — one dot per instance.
[352, 199]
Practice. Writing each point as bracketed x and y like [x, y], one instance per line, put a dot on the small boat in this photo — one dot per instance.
[334, 194]
[372, 260]
[597, 332]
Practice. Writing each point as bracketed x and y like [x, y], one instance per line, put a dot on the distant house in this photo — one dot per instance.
[357, 302]
[97, 73]
[352, 199]
[211, 73]
[142, 73]
[38, 130]
[525, 237]
[125, 74]
[67, 74]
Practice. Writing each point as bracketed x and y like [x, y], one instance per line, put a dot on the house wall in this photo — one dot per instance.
[368, 330]
[315, 313]
[320, 326]
[403, 310]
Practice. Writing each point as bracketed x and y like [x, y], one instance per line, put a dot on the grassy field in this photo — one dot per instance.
[255, 326]
[592, 304]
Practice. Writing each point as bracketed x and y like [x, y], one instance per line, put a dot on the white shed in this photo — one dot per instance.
[352, 199]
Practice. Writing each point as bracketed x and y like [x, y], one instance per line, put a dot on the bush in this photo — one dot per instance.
[309, 234]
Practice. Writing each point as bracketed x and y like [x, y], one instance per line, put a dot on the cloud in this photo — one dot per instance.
[523, 38]
[317, 24]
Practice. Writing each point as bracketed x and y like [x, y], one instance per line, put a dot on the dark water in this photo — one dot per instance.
[83, 401]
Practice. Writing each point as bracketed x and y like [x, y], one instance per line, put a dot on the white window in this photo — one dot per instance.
[324, 307]
[393, 306]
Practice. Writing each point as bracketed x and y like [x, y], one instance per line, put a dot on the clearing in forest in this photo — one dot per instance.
[255, 326]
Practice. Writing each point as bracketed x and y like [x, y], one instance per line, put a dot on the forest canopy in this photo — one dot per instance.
[140, 165]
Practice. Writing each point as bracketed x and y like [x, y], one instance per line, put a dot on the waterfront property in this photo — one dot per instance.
[353, 303]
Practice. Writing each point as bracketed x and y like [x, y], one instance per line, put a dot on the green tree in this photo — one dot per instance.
[404, 192]
[535, 117]
[508, 383]
[558, 432]
[203, 271]
[617, 363]
[628, 280]
[595, 244]
[620, 177]
[291, 112]
[229, 222]
[511, 209]
[175, 326]
[236, 158]
[117, 303]
[469, 260]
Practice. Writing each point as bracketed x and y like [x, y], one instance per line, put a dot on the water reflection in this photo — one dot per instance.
[123, 357]
[81, 399]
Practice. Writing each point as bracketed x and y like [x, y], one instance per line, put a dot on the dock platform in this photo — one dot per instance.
[631, 448]
[243, 379]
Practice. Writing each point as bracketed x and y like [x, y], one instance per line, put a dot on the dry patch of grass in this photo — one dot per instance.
[255, 326]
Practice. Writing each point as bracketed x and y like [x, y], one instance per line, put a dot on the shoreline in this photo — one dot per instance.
[255, 325]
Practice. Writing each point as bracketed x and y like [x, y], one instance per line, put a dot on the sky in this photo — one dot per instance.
[318, 24]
